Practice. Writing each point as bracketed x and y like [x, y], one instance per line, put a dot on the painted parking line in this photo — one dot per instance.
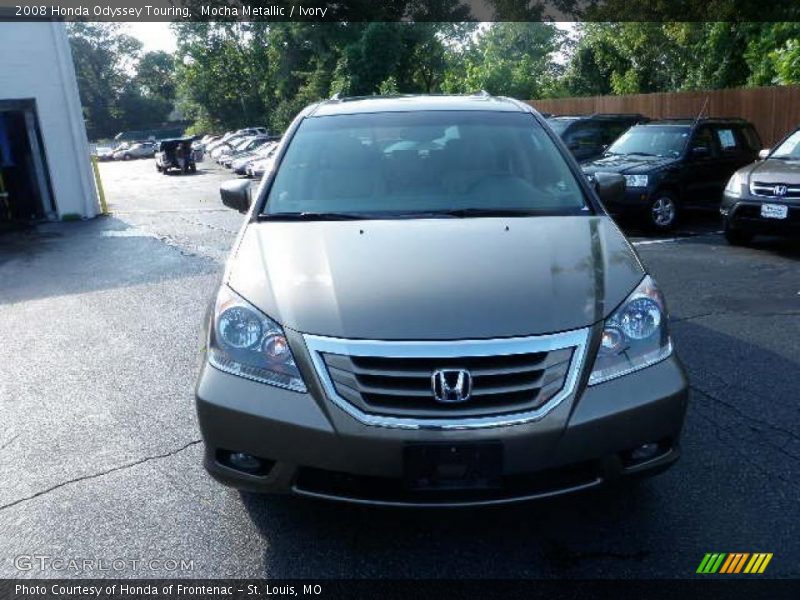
[675, 239]
[148, 211]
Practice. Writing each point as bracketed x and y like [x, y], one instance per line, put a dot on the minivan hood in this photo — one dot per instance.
[626, 164]
[775, 170]
[426, 279]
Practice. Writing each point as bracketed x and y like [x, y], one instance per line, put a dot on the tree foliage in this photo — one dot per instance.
[119, 87]
[641, 57]
[226, 75]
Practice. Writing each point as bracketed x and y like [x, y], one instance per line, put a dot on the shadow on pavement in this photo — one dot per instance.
[317, 539]
[57, 259]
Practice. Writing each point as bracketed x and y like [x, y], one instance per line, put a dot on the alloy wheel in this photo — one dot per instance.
[663, 212]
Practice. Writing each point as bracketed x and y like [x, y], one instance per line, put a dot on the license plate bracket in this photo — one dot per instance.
[445, 466]
[774, 211]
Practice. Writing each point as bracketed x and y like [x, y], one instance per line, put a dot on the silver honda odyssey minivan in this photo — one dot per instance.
[429, 306]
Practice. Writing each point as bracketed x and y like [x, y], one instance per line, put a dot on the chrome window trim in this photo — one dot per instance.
[578, 339]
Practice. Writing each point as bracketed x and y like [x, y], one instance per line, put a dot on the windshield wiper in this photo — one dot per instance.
[641, 154]
[317, 216]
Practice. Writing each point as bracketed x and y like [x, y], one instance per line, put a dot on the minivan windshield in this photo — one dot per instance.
[790, 148]
[423, 163]
[652, 140]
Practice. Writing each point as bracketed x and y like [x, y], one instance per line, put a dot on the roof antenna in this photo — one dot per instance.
[702, 110]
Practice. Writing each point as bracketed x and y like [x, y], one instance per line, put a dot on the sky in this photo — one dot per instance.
[154, 36]
[158, 36]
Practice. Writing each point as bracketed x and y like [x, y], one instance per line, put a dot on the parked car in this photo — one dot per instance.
[227, 158]
[587, 137]
[238, 146]
[228, 146]
[253, 131]
[764, 197]
[104, 153]
[676, 164]
[459, 324]
[258, 168]
[176, 154]
[240, 163]
[137, 150]
[219, 141]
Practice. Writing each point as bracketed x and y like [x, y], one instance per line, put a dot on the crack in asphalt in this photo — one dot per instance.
[747, 417]
[727, 313]
[8, 443]
[101, 474]
[745, 457]
[734, 432]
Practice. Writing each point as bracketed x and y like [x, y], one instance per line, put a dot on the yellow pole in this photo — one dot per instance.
[99, 182]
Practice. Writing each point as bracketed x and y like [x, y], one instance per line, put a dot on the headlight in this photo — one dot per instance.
[735, 183]
[636, 180]
[635, 336]
[245, 342]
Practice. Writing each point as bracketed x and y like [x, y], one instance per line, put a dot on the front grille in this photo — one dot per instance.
[401, 386]
[763, 188]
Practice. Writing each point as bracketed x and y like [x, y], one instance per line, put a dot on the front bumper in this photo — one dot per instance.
[312, 447]
[744, 214]
[634, 202]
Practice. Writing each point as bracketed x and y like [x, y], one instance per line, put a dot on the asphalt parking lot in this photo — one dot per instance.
[100, 453]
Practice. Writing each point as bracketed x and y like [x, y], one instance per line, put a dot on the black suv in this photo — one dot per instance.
[589, 135]
[674, 164]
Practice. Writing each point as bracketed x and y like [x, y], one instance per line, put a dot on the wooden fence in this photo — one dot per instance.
[773, 110]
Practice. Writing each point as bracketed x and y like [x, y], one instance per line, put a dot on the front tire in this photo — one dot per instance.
[737, 237]
[126, 157]
[663, 211]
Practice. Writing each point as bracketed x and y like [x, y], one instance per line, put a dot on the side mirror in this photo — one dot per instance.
[236, 194]
[609, 186]
[701, 152]
[763, 154]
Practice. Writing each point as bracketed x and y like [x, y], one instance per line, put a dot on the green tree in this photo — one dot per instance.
[104, 57]
[155, 75]
[510, 59]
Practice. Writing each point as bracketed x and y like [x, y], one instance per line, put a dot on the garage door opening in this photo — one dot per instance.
[25, 190]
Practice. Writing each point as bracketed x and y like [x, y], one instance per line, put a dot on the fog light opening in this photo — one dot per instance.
[244, 462]
[643, 453]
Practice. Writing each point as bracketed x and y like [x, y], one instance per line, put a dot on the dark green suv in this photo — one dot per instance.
[677, 164]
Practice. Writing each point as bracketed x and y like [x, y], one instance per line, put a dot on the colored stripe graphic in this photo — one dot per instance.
[711, 562]
[734, 562]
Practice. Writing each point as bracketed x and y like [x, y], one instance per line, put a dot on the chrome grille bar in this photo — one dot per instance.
[539, 372]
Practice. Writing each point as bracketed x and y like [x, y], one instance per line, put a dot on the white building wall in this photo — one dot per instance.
[36, 62]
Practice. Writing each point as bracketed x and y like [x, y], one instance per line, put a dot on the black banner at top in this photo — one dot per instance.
[399, 10]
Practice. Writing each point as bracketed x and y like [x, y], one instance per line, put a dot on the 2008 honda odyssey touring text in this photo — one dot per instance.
[428, 305]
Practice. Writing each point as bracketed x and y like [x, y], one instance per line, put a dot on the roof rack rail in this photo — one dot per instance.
[737, 119]
[482, 94]
[610, 114]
